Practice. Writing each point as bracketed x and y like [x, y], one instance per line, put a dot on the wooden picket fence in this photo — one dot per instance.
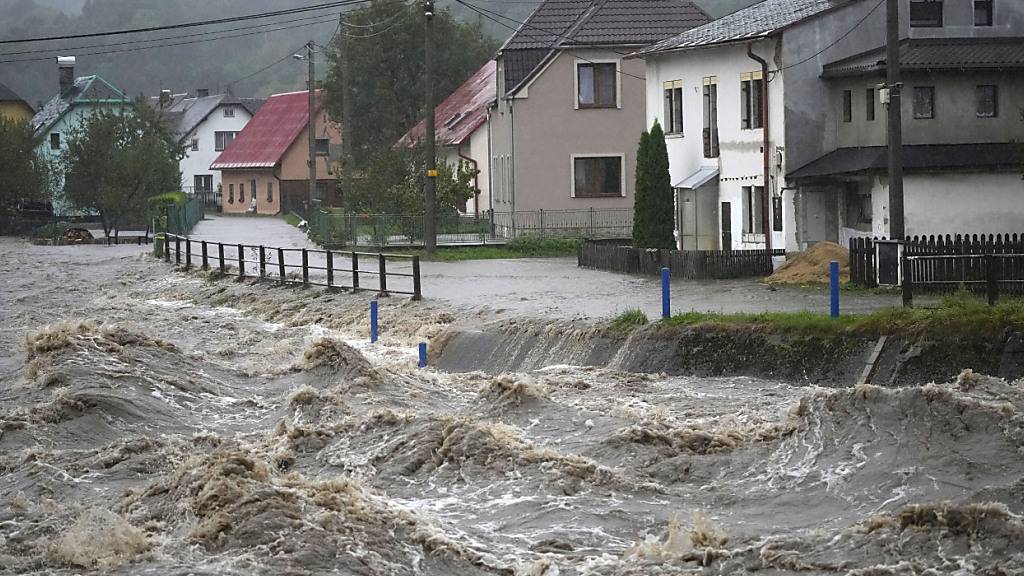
[689, 264]
[944, 263]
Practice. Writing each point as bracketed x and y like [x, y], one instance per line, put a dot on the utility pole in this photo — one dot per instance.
[430, 184]
[310, 51]
[897, 230]
[346, 110]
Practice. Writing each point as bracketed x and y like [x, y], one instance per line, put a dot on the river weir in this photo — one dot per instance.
[157, 423]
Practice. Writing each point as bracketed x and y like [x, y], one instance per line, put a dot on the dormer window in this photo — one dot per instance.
[454, 119]
[926, 13]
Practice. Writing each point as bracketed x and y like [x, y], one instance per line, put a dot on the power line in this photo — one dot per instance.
[834, 42]
[196, 35]
[288, 12]
[178, 43]
[265, 68]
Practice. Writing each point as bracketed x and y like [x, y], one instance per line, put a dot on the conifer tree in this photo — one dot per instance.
[641, 209]
[660, 196]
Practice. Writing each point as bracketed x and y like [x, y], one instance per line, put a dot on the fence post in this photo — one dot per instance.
[167, 247]
[908, 284]
[188, 253]
[992, 280]
[263, 262]
[206, 262]
[541, 222]
[591, 221]
[330, 269]
[417, 292]
[383, 274]
[423, 355]
[373, 321]
[220, 257]
[833, 274]
[305, 266]
[355, 272]
[280, 264]
[666, 293]
[241, 261]
[177, 249]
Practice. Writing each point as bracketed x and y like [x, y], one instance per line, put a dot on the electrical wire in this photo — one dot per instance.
[288, 12]
[836, 41]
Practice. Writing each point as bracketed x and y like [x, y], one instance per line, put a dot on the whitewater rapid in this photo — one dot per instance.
[181, 424]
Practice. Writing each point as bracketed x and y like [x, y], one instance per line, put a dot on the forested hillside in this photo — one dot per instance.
[195, 60]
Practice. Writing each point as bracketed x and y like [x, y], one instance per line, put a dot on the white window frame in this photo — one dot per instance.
[576, 82]
[674, 85]
[572, 174]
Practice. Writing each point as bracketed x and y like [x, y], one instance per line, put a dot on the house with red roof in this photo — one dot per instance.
[463, 131]
[265, 170]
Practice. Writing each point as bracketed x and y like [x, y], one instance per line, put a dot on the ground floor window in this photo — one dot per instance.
[752, 208]
[203, 182]
[241, 192]
[270, 191]
[231, 193]
[597, 176]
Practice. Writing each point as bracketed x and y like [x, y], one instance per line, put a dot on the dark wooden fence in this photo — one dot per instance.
[991, 274]
[334, 270]
[939, 274]
[689, 264]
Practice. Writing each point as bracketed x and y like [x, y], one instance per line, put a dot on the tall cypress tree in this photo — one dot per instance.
[660, 196]
[641, 202]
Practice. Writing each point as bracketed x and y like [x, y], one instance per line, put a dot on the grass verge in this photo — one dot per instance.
[960, 316]
[524, 247]
[629, 320]
[292, 219]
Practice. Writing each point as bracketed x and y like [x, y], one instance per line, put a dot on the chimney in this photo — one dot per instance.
[202, 92]
[66, 67]
[165, 98]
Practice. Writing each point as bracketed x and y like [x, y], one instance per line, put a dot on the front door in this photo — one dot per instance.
[726, 225]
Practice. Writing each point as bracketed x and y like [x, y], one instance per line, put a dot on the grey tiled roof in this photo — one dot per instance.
[937, 54]
[87, 89]
[757, 21]
[915, 158]
[567, 24]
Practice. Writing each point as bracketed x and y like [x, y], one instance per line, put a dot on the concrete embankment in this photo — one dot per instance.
[840, 359]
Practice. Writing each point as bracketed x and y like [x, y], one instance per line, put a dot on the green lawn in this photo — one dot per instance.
[292, 219]
[525, 247]
[960, 316]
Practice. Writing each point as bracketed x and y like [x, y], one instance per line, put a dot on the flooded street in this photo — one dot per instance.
[156, 422]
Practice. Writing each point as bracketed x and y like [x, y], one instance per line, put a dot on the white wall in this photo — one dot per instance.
[199, 162]
[961, 203]
[741, 162]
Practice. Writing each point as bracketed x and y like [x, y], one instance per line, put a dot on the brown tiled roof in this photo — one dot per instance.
[567, 24]
[757, 21]
[937, 54]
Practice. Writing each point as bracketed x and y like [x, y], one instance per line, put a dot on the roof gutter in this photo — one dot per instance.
[766, 130]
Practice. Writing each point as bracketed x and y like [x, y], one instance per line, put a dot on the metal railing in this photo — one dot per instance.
[406, 230]
[392, 273]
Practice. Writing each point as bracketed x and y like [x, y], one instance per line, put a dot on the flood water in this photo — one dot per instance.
[160, 423]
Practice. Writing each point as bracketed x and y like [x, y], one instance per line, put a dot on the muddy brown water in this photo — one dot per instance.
[155, 423]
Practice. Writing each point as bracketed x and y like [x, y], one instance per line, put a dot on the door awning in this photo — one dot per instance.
[698, 178]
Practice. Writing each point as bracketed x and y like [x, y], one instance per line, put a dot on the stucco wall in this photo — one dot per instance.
[238, 178]
[198, 162]
[741, 161]
[955, 122]
[548, 130]
[16, 111]
[293, 164]
[964, 203]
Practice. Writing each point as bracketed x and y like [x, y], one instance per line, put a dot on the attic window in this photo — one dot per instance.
[455, 119]
[229, 112]
[54, 141]
[926, 13]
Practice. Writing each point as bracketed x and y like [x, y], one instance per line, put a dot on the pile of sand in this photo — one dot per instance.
[811, 266]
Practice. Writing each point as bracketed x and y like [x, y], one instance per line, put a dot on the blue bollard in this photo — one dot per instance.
[423, 354]
[666, 294]
[373, 321]
[833, 269]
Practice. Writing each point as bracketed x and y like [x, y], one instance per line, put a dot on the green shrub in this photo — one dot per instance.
[629, 320]
[538, 246]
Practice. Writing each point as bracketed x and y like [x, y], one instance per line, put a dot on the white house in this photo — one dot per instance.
[207, 125]
[814, 167]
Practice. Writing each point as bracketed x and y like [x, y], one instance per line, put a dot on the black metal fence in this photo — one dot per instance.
[991, 274]
[355, 271]
[936, 273]
[689, 264]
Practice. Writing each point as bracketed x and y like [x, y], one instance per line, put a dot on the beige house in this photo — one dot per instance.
[265, 169]
[571, 107]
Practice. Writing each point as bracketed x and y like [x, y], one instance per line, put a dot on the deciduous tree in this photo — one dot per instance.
[25, 172]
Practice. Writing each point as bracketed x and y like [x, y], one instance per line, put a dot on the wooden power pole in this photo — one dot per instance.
[310, 51]
[897, 229]
[430, 183]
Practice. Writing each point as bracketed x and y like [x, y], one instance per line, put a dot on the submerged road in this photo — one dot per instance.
[555, 287]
